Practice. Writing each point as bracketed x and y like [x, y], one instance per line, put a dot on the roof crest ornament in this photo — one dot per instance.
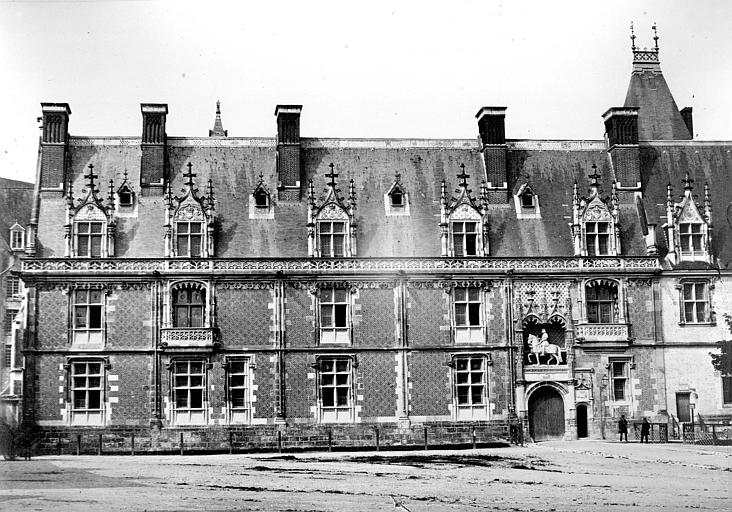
[632, 37]
[333, 194]
[594, 184]
[218, 128]
[644, 55]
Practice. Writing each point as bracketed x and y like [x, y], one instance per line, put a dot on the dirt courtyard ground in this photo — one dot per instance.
[559, 476]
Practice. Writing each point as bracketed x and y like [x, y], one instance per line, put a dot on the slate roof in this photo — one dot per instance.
[16, 200]
[551, 167]
[658, 117]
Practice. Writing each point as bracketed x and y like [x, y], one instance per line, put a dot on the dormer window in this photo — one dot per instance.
[463, 221]
[396, 199]
[691, 239]
[17, 237]
[527, 199]
[261, 200]
[125, 195]
[90, 226]
[595, 226]
[189, 230]
[688, 226]
[331, 226]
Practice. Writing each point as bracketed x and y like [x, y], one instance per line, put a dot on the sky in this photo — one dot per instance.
[370, 69]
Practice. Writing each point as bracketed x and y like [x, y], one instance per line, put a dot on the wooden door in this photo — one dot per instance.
[581, 421]
[682, 407]
[546, 414]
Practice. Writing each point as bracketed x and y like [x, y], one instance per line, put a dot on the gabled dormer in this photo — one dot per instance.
[260, 203]
[595, 221]
[189, 228]
[331, 220]
[526, 202]
[463, 220]
[125, 194]
[90, 227]
[688, 228]
[396, 199]
[17, 237]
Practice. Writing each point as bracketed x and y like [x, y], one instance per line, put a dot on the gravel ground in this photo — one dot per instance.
[560, 476]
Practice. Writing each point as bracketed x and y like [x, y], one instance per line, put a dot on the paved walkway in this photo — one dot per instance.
[572, 476]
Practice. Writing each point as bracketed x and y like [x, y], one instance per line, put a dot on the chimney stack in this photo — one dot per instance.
[289, 178]
[492, 130]
[688, 120]
[54, 145]
[153, 145]
[621, 130]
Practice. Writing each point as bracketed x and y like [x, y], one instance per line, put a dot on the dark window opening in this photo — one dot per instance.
[527, 200]
[397, 198]
[261, 199]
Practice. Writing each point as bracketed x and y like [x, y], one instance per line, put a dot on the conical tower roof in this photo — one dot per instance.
[218, 129]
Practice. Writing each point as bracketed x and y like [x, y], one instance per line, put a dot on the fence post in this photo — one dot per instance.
[132, 444]
[425, 438]
[231, 442]
[181, 443]
[78, 444]
[99, 446]
[714, 435]
[279, 441]
[330, 440]
[377, 439]
[475, 444]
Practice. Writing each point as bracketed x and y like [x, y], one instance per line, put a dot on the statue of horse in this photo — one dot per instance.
[541, 347]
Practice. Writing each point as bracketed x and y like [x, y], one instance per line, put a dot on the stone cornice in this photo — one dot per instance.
[144, 267]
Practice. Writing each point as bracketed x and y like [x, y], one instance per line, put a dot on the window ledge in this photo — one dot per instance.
[697, 324]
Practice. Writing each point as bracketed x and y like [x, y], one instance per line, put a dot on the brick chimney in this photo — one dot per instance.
[289, 174]
[492, 130]
[688, 120]
[54, 145]
[621, 136]
[153, 145]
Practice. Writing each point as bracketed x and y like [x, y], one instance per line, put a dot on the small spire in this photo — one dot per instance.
[332, 175]
[218, 129]
[669, 197]
[632, 37]
[575, 195]
[169, 197]
[210, 197]
[70, 195]
[110, 197]
[483, 194]
[90, 178]
[655, 36]
[189, 175]
[594, 184]
[688, 184]
[707, 204]
[443, 193]
[352, 194]
[463, 177]
[311, 194]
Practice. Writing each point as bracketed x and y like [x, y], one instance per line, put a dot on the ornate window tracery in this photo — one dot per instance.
[463, 221]
[595, 221]
[90, 225]
[331, 221]
[189, 230]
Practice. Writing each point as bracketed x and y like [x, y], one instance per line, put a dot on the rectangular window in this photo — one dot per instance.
[238, 387]
[695, 303]
[188, 308]
[87, 393]
[9, 319]
[13, 286]
[332, 239]
[334, 315]
[619, 373]
[465, 239]
[597, 237]
[17, 240]
[336, 400]
[188, 239]
[89, 239]
[189, 389]
[691, 238]
[467, 305]
[727, 389]
[600, 304]
[8, 356]
[88, 308]
[470, 387]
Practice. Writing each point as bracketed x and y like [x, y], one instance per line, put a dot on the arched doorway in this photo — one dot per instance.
[581, 421]
[546, 414]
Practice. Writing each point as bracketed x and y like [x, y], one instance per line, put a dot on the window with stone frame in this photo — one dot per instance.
[238, 379]
[188, 239]
[189, 305]
[88, 317]
[467, 314]
[13, 286]
[597, 238]
[620, 380]
[471, 387]
[691, 239]
[189, 391]
[332, 238]
[8, 355]
[8, 321]
[335, 306]
[601, 299]
[695, 304]
[17, 239]
[89, 239]
[335, 389]
[527, 199]
[465, 238]
[87, 390]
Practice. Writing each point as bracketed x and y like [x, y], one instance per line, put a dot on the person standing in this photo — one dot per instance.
[645, 430]
[623, 428]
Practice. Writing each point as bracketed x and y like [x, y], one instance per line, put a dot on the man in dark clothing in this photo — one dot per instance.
[645, 430]
[623, 428]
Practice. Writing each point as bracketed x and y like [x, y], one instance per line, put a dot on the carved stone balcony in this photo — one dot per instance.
[189, 337]
[613, 333]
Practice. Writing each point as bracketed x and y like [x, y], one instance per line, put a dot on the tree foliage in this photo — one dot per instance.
[722, 362]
